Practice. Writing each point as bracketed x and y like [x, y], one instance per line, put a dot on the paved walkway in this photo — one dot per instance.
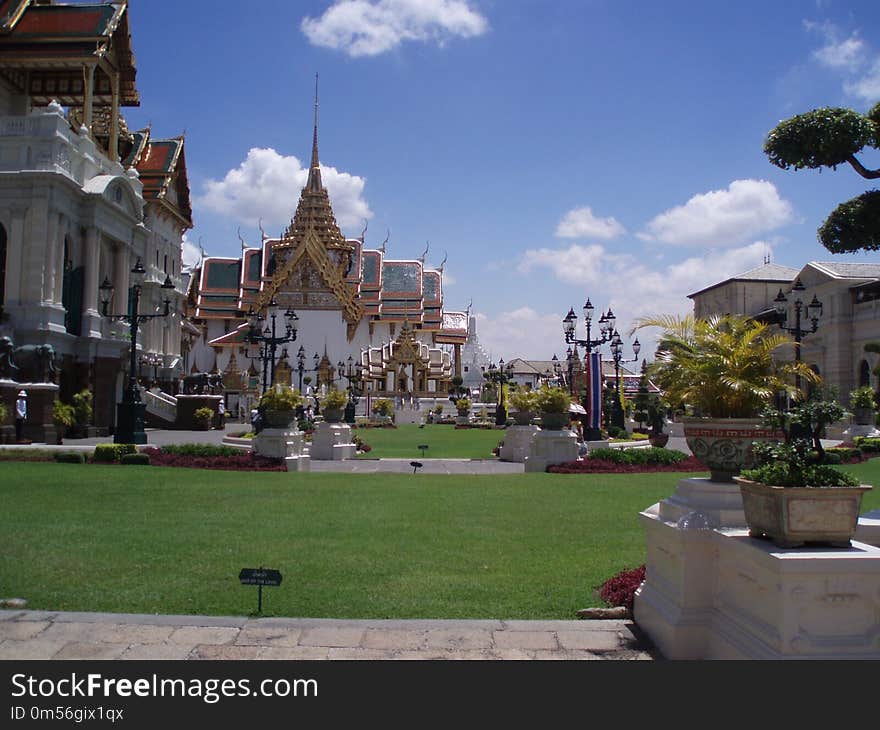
[58, 635]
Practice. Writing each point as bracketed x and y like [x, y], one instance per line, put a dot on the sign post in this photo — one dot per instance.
[259, 577]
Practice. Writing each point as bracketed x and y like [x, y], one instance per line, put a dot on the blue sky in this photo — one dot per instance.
[553, 151]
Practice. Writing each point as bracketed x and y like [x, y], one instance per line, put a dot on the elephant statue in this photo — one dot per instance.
[36, 363]
[8, 368]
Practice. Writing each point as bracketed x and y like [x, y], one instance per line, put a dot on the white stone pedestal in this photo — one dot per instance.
[592, 445]
[715, 593]
[551, 447]
[856, 430]
[282, 443]
[518, 443]
[332, 442]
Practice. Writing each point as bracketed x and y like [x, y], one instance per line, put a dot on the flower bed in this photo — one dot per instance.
[606, 466]
[620, 590]
[239, 461]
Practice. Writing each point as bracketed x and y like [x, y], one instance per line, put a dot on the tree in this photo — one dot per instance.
[642, 402]
[829, 137]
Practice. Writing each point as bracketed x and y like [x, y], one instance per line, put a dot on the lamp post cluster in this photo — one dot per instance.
[269, 339]
[813, 311]
[153, 361]
[354, 374]
[301, 365]
[131, 410]
[607, 333]
[499, 375]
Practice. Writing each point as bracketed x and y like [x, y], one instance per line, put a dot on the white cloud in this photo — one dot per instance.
[867, 86]
[371, 27]
[722, 218]
[267, 186]
[846, 54]
[627, 284]
[189, 254]
[581, 223]
[522, 332]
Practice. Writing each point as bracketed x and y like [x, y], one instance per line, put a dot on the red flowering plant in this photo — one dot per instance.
[620, 590]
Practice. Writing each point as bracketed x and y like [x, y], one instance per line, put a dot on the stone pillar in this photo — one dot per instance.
[457, 350]
[551, 447]
[518, 443]
[88, 93]
[14, 252]
[92, 261]
[283, 443]
[332, 442]
[113, 142]
[51, 258]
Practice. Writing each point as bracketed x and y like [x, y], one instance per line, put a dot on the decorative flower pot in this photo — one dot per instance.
[864, 416]
[333, 415]
[724, 445]
[792, 516]
[660, 440]
[278, 419]
[553, 421]
[523, 418]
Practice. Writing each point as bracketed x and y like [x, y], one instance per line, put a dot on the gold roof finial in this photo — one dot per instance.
[314, 182]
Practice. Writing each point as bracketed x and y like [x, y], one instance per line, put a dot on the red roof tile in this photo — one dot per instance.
[63, 21]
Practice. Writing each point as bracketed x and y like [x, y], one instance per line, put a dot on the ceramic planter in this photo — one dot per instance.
[724, 445]
[659, 440]
[553, 421]
[278, 419]
[332, 415]
[523, 418]
[793, 516]
[864, 416]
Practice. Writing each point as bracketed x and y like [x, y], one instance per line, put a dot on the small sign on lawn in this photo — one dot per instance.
[259, 577]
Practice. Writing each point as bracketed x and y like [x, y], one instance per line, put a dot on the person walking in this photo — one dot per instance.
[221, 414]
[20, 415]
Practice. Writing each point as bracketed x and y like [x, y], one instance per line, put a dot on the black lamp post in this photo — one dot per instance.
[354, 375]
[813, 310]
[269, 339]
[130, 412]
[300, 365]
[617, 356]
[606, 330]
[499, 376]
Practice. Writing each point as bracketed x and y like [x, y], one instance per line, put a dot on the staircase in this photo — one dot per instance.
[161, 408]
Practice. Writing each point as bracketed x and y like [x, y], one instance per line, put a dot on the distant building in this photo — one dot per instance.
[355, 306]
[850, 297]
[474, 360]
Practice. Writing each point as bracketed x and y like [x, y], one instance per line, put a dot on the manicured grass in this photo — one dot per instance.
[444, 442]
[868, 472]
[162, 540]
[154, 539]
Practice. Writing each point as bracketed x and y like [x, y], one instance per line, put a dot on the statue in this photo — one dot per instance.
[35, 363]
[203, 384]
[8, 368]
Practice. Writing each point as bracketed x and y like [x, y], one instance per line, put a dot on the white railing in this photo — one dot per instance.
[160, 404]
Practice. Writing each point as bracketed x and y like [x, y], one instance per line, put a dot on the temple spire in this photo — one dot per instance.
[314, 182]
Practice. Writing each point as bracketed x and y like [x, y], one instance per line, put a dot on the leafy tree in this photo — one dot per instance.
[829, 137]
[642, 402]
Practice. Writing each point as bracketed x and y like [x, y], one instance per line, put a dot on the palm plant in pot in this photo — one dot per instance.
[553, 403]
[333, 403]
[861, 400]
[525, 403]
[791, 495]
[278, 406]
[726, 370]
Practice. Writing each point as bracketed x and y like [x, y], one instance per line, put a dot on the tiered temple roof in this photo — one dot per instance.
[161, 166]
[313, 266]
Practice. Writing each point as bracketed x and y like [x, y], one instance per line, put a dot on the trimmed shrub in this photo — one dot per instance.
[141, 459]
[70, 457]
[112, 453]
[844, 455]
[867, 444]
[652, 455]
[238, 461]
[620, 590]
[201, 450]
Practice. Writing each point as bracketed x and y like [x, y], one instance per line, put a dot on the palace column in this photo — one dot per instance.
[14, 247]
[92, 261]
[457, 350]
[113, 142]
[50, 259]
[88, 95]
[58, 284]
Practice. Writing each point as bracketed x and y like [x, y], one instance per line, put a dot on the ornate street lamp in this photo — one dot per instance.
[617, 356]
[813, 311]
[269, 340]
[606, 330]
[354, 375]
[499, 376]
[301, 365]
[130, 412]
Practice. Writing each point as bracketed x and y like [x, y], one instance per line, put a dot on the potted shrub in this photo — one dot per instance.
[333, 404]
[7, 431]
[791, 496]
[553, 404]
[861, 400]
[63, 417]
[726, 369]
[202, 418]
[525, 401]
[82, 411]
[463, 406]
[656, 418]
[278, 406]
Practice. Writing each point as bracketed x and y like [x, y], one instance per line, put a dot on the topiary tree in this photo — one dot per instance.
[829, 137]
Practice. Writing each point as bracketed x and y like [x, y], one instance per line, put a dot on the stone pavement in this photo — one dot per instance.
[67, 635]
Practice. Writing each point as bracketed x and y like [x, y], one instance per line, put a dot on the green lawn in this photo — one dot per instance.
[444, 442]
[161, 540]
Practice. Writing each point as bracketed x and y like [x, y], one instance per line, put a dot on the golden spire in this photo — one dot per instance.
[314, 184]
